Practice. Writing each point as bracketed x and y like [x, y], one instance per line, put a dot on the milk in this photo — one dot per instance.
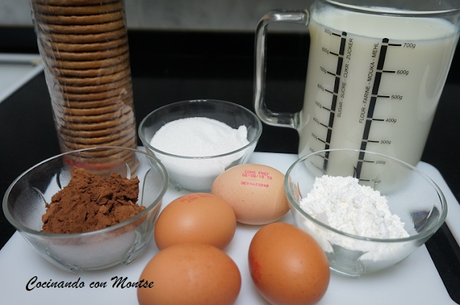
[415, 66]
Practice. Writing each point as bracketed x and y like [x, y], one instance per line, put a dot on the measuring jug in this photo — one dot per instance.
[374, 75]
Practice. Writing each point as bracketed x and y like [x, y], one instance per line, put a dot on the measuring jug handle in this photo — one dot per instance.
[290, 120]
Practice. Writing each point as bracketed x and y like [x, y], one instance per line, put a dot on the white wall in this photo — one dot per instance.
[213, 15]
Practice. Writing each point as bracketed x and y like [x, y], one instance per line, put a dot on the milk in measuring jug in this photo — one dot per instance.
[373, 83]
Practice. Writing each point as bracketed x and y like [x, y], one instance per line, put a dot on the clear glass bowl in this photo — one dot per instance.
[411, 195]
[24, 205]
[197, 174]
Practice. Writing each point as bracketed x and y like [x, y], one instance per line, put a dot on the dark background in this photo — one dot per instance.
[173, 66]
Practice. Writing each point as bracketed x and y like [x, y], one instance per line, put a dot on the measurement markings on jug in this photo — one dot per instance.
[371, 95]
[357, 172]
[339, 86]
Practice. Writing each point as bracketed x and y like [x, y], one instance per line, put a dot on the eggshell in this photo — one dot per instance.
[190, 273]
[255, 192]
[287, 265]
[196, 217]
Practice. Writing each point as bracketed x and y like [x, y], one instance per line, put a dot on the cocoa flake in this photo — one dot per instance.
[90, 202]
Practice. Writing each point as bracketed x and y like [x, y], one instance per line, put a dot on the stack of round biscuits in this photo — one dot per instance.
[84, 47]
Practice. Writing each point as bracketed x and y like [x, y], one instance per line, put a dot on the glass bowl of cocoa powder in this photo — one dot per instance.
[88, 209]
[368, 211]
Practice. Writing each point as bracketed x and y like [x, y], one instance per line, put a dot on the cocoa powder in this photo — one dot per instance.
[90, 202]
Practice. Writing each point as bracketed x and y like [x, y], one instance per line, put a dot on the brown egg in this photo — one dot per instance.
[196, 217]
[190, 273]
[256, 193]
[287, 265]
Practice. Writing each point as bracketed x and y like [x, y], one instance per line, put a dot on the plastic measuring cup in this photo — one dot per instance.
[374, 77]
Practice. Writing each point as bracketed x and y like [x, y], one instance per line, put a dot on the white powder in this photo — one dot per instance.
[356, 209]
[198, 137]
[344, 204]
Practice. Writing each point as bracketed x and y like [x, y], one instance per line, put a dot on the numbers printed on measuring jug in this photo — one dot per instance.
[371, 93]
[375, 72]
[409, 45]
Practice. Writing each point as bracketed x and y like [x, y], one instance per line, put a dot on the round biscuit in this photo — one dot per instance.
[83, 104]
[93, 118]
[82, 29]
[83, 38]
[117, 92]
[124, 141]
[98, 122]
[91, 110]
[73, 2]
[79, 20]
[92, 126]
[73, 8]
[64, 88]
[77, 116]
[87, 64]
[91, 72]
[96, 156]
[99, 98]
[91, 81]
[82, 47]
[101, 140]
[97, 132]
[85, 56]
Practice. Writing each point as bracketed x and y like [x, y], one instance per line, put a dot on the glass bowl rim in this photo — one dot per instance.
[24, 229]
[185, 102]
[417, 236]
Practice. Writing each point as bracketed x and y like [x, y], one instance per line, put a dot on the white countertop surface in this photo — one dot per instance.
[413, 281]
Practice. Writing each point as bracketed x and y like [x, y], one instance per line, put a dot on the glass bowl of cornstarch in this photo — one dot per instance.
[368, 211]
[197, 140]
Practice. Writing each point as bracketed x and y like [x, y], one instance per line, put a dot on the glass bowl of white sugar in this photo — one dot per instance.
[367, 211]
[197, 140]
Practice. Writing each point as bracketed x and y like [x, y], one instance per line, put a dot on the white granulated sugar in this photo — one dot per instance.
[346, 205]
[199, 137]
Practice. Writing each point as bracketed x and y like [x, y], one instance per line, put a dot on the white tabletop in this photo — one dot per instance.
[413, 281]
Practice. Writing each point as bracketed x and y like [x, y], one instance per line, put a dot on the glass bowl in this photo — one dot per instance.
[25, 199]
[410, 194]
[197, 173]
